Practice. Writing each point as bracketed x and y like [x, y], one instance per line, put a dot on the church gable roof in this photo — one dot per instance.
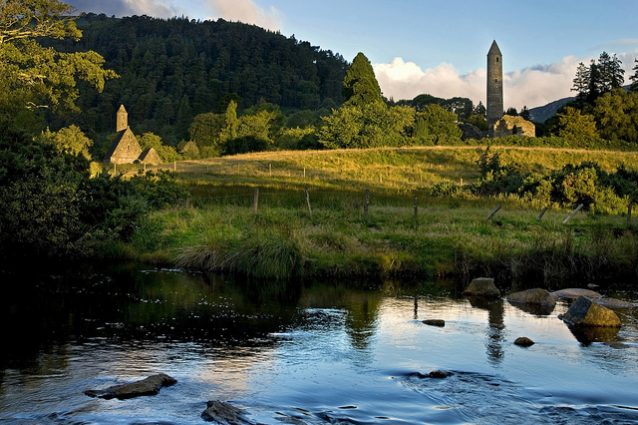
[151, 157]
[125, 148]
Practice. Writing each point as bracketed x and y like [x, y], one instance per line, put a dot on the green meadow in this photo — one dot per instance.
[310, 220]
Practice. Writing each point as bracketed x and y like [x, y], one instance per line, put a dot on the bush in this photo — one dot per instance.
[245, 145]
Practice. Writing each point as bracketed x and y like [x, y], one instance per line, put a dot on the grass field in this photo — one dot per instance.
[220, 231]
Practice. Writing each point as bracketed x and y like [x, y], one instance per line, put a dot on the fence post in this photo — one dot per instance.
[416, 212]
[175, 166]
[494, 211]
[573, 213]
[540, 216]
[114, 170]
[256, 200]
[308, 201]
[366, 204]
[630, 207]
[304, 172]
[270, 169]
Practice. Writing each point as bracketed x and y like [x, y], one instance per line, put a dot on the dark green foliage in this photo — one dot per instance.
[51, 208]
[360, 86]
[435, 125]
[41, 197]
[174, 70]
[634, 78]
[244, 145]
[600, 77]
[461, 106]
[114, 205]
[496, 177]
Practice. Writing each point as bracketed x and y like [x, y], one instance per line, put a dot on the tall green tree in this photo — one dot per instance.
[581, 81]
[232, 123]
[70, 140]
[616, 115]
[634, 78]
[611, 72]
[577, 127]
[33, 76]
[360, 85]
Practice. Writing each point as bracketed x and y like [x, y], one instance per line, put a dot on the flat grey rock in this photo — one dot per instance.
[144, 387]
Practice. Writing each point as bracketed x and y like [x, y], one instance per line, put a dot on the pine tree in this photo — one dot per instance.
[360, 86]
[634, 78]
[581, 81]
[595, 82]
[611, 72]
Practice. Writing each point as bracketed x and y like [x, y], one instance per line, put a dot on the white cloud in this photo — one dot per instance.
[533, 86]
[246, 11]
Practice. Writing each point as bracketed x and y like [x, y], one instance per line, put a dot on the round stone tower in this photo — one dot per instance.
[121, 121]
[494, 86]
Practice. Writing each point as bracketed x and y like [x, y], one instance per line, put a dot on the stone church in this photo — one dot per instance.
[498, 124]
[125, 148]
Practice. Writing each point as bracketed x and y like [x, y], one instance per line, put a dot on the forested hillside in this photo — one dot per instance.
[172, 70]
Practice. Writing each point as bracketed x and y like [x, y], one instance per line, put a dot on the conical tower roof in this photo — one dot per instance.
[121, 109]
[494, 50]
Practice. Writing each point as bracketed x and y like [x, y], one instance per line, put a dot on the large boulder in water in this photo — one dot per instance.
[586, 313]
[148, 386]
[482, 287]
[535, 301]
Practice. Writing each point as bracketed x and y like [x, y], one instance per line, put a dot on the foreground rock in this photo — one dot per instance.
[482, 287]
[574, 293]
[536, 301]
[524, 342]
[586, 313]
[434, 322]
[148, 386]
[435, 374]
[224, 413]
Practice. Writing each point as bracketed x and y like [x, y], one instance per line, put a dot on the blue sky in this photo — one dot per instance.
[435, 45]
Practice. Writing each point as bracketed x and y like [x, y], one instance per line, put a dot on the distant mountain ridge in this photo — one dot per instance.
[543, 113]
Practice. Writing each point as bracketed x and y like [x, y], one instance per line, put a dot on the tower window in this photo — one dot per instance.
[497, 59]
[496, 80]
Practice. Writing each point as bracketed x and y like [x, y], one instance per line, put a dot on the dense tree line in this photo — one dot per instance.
[172, 70]
[603, 109]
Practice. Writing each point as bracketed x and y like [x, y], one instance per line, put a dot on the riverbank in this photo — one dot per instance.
[251, 215]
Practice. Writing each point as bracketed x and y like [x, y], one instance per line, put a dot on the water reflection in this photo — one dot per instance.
[276, 348]
[588, 335]
[496, 325]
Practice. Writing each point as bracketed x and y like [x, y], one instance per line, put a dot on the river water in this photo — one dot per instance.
[313, 354]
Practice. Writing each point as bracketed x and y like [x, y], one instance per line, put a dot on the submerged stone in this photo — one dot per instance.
[434, 322]
[224, 413]
[482, 287]
[587, 313]
[573, 293]
[524, 342]
[144, 387]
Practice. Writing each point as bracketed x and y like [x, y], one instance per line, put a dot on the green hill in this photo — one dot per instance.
[172, 70]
